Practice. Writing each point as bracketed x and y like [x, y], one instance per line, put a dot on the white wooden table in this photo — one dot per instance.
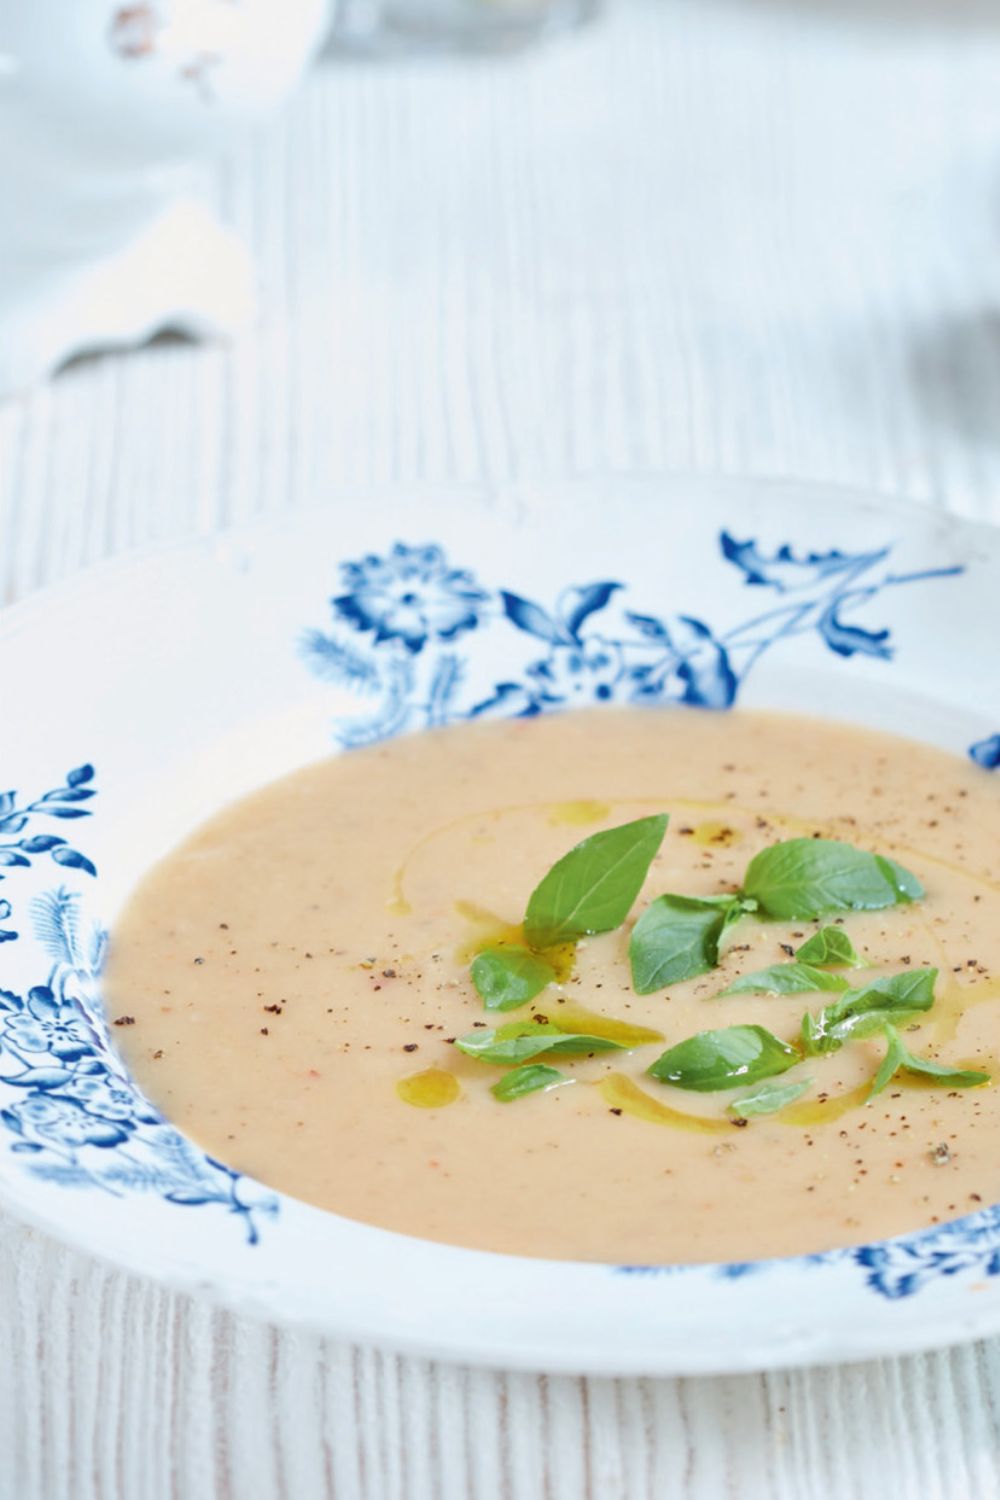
[757, 236]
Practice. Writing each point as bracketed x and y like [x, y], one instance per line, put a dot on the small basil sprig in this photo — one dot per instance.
[719, 1059]
[899, 1057]
[592, 888]
[830, 948]
[507, 976]
[521, 1040]
[526, 1080]
[768, 1098]
[806, 878]
[862, 1012]
[677, 937]
[785, 979]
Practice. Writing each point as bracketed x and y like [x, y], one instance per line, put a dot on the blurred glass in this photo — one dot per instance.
[397, 26]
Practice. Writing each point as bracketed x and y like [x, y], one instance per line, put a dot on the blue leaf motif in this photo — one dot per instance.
[650, 627]
[8, 935]
[41, 843]
[191, 1196]
[709, 680]
[852, 640]
[57, 810]
[55, 917]
[7, 800]
[509, 700]
[80, 775]
[67, 794]
[13, 824]
[338, 662]
[986, 753]
[10, 1001]
[39, 1078]
[578, 604]
[11, 857]
[73, 859]
[534, 620]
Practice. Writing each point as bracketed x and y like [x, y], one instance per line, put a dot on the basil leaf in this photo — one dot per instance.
[592, 888]
[768, 1099]
[804, 878]
[861, 1012]
[898, 1056]
[507, 977]
[522, 1040]
[785, 979]
[676, 938]
[526, 1080]
[830, 947]
[718, 1059]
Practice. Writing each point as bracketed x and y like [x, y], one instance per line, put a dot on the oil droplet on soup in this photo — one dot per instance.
[432, 1088]
[334, 915]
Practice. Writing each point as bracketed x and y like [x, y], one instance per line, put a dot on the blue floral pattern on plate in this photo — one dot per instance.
[80, 1121]
[405, 611]
[398, 625]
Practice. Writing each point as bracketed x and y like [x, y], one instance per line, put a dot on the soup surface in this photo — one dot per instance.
[293, 979]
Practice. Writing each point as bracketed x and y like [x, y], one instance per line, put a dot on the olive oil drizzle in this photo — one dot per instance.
[621, 1093]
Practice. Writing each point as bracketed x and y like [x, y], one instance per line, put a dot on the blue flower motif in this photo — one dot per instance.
[986, 753]
[898, 1268]
[589, 671]
[412, 595]
[48, 1025]
[101, 1093]
[62, 1122]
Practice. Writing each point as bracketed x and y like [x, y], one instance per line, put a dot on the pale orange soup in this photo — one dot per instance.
[297, 967]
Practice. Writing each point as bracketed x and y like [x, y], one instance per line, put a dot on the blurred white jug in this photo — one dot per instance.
[107, 110]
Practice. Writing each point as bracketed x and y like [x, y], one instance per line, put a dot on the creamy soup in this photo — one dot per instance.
[290, 983]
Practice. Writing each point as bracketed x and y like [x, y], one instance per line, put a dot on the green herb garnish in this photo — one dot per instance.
[526, 1080]
[768, 1099]
[829, 948]
[785, 979]
[521, 1040]
[719, 1059]
[507, 976]
[592, 888]
[678, 937]
[898, 1057]
[806, 878]
[862, 1012]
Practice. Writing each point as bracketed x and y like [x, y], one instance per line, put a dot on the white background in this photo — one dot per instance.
[749, 236]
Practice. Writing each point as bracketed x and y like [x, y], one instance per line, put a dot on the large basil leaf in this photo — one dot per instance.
[676, 938]
[722, 1059]
[805, 878]
[592, 888]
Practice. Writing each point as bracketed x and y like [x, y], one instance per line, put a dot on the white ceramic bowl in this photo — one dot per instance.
[146, 693]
